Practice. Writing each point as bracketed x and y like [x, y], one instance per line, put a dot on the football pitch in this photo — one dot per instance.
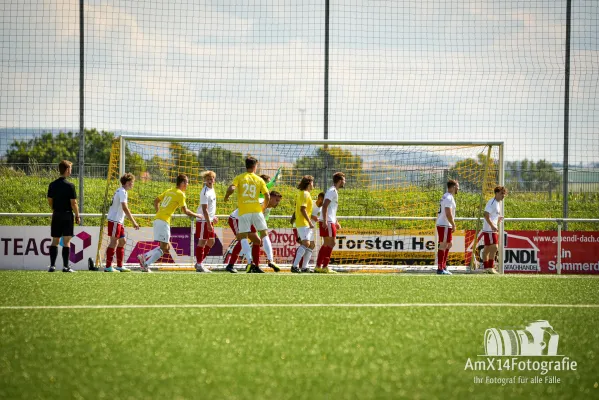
[282, 336]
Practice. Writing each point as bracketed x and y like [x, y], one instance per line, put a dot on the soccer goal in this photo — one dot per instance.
[387, 209]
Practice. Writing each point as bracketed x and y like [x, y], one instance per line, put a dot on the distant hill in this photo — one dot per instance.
[282, 154]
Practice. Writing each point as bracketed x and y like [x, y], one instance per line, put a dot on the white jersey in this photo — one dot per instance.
[116, 213]
[316, 211]
[494, 209]
[208, 197]
[333, 196]
[447, 201]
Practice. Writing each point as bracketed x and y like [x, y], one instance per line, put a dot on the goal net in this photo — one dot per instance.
[387, 209]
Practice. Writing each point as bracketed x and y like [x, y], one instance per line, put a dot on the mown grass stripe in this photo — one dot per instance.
[292, 305]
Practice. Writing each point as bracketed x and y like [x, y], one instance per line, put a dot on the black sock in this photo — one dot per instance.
[65, 255]
[53, 255]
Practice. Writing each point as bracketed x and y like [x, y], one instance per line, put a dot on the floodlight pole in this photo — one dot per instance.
[566, 112]
[502, 236]
[326, 69]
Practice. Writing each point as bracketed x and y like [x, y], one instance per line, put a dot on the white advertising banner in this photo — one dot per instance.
[27, 247]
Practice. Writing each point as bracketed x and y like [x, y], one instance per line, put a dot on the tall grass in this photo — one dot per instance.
[28, 194]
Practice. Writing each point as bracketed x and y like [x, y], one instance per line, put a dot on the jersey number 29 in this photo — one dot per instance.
[249, 190]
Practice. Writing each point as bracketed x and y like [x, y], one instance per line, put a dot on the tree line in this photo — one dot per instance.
[52, 148]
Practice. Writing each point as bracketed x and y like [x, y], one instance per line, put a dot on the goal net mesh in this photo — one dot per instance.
[387, 209]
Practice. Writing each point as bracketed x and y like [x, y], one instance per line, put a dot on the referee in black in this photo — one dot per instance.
[62, 199]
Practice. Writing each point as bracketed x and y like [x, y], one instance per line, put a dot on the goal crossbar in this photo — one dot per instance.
[152, 138]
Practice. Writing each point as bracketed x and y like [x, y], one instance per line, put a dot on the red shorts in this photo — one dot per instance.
[202, 231]
[490, 238]
[234, 224]
[444, 234]
[116, 230]
[327, 230]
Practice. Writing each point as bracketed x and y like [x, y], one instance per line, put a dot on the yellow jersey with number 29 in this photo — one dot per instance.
[249, 186]
[170, 201]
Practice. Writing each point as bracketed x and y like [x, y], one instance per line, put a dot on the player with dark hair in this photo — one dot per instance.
[62, 199]
[249, 186]
[446, 225]
[165, 205]
[235, 247]
[329, 224]
[492, 216]
[232, 253]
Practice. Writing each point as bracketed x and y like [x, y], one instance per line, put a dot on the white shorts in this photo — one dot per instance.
[162, 231]
[305, 233]
[246, 221]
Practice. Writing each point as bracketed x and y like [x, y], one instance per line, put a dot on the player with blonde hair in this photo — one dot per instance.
[116, 228]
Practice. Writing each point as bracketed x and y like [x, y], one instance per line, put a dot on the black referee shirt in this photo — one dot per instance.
[61, 192]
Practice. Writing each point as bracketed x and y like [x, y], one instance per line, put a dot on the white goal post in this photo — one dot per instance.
[386, 210]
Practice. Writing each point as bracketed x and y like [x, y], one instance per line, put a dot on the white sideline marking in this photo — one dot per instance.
[339, 305]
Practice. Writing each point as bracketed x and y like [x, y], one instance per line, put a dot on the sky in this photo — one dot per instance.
[398, 70]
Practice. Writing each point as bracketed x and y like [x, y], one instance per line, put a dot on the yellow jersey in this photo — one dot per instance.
[249, 186]
[170, 201]
[302, 199]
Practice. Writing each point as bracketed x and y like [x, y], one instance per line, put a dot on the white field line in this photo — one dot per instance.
[338, 305]
[479, 274]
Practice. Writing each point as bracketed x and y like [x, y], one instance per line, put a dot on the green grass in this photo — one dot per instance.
[281, 352]
[27, 194]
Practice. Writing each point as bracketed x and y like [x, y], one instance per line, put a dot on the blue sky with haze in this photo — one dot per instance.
[399, 70]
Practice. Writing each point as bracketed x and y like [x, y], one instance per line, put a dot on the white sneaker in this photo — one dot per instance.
[201, 268]
[142, 263]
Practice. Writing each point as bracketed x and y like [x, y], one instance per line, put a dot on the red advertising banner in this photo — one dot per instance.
[536, 252]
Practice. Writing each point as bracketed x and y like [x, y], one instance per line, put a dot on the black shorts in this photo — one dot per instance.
[62, 224]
